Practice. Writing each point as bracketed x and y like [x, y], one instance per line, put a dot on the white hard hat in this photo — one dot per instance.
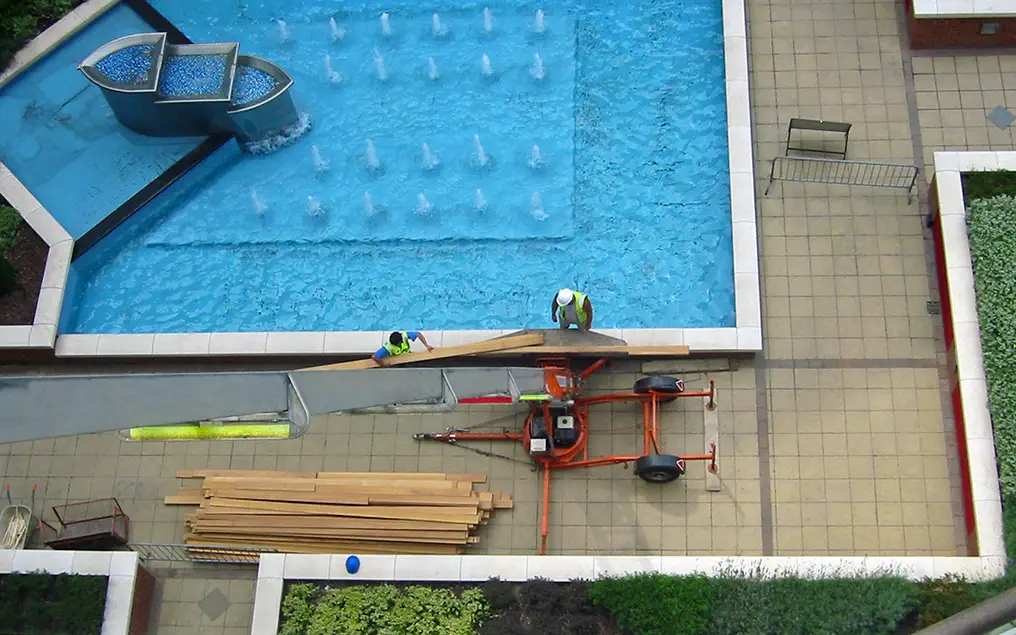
[564, 297]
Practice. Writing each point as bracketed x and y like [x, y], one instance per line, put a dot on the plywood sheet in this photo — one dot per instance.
[511, 342]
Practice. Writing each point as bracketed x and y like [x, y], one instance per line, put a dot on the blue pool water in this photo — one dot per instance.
[62, 141]
[629, 201]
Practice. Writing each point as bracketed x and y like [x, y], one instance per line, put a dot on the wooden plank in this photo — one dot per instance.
[390, 535]
[292, 497]
[348, 497]
[605, 351]
[337, 484]
[405, 476]
[436, 514]
[186, 496]
[337, 522]
[487, 346]
[337, 546]
[205, 472]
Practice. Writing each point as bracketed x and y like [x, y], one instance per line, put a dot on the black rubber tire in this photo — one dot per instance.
[659, 468]
[661, 384]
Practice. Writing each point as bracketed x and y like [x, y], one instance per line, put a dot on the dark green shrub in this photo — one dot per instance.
[788, 606]
[542, 607]
[942, 598]
[43, 604]
[655, 604]
[21, 20]
[8, 276]
[987, 184]
[9, 221]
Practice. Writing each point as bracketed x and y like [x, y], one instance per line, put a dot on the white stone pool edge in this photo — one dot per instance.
[746, 336]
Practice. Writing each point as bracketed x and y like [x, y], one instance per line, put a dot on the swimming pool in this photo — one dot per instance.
[628, 197]
[62, 141]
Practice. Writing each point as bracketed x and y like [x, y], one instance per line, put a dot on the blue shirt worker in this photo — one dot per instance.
[572, 307]
[399, 344]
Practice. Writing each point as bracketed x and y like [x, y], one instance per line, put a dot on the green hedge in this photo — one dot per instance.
[307, 609]
[21, 20]
[43, 604]
[9, 221]
[653, 604]
[991, 223]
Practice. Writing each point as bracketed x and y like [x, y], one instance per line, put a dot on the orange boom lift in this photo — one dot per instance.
[556, 430]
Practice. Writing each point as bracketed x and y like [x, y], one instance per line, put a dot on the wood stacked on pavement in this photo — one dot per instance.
[335, 512]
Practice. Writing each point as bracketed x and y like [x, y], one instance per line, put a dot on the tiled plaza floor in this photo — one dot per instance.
[835, 441]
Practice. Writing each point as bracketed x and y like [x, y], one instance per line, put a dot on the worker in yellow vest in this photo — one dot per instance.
[399, 344]
[572, 307]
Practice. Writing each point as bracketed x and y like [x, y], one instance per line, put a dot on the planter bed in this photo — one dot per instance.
[43, 604]
[645, 604]
[28, 255]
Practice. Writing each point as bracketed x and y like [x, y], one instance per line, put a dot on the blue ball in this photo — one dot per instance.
[352, 565]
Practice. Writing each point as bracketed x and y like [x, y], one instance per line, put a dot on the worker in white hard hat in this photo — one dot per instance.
[572, 307]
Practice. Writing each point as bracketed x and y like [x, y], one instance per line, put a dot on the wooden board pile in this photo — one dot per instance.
[335, 512]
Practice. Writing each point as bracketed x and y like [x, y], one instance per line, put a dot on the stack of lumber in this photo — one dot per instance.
[335, 512]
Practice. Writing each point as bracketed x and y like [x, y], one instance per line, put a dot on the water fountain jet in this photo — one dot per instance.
[285, 33]
[314, 208]
[330, 73]
[485, 66]
[338, 32]
[368, 204]
[379, 66]
[535, 157]
[432, 70]
[537, 207]
[423, 206]
[488, 21]
[259, 203]
[537, 71]
[386, 25]
[372, 161]
[430, 160]
[538, 26]
[320, 164]
[480, 202]
[481, 155]
[435, 26]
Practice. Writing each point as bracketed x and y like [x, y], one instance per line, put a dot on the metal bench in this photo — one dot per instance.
[816, 125]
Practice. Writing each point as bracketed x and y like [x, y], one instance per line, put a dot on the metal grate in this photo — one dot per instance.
[840, 172]
[218, 554]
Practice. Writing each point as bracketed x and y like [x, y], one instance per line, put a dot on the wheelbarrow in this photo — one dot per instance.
[16, 522]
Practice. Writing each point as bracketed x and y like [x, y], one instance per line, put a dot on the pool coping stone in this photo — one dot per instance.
[744, 337]
[963, 9]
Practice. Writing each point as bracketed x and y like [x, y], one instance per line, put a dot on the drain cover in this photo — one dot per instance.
[214, 604]
[934, 307]
[1001, 117]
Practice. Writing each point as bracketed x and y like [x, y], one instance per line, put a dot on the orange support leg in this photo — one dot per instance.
[545, 511]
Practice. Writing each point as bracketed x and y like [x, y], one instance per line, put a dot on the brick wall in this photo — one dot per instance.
[927, 33]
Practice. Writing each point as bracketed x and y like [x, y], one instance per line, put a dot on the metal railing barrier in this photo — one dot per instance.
[217, 554]
[840, 172]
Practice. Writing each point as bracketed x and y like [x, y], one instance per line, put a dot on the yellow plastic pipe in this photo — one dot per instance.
[187, 433]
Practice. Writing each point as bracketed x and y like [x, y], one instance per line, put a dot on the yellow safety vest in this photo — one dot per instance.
[580, 308]
[404, 347]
